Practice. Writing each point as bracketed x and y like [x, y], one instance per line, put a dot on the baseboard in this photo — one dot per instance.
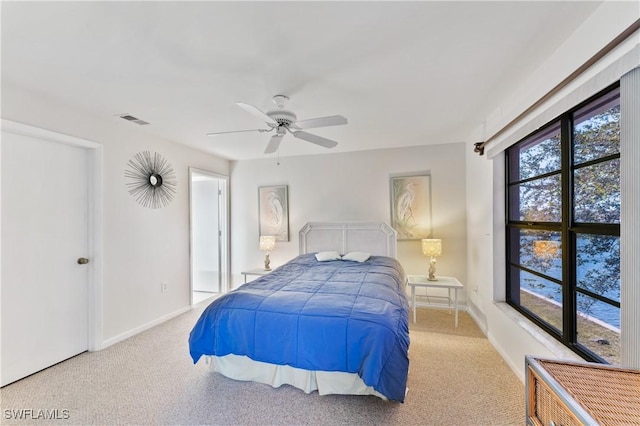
[143, 327]
[534, 332]
[517, 369]
[473, 312]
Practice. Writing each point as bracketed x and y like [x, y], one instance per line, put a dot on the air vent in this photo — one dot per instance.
[133, 119]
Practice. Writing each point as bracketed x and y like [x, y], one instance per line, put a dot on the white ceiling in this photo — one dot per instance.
[403, 73]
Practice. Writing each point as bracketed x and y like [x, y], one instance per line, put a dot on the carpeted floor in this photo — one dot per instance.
[455, 378]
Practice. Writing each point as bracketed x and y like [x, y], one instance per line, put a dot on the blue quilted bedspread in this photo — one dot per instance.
[328, 316]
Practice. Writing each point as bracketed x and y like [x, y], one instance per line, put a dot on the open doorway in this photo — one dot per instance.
[209, 234]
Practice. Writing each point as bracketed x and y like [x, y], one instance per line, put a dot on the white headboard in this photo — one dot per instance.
[376, 238]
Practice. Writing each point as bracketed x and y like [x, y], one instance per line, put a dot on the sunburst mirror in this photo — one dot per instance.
[151, 179]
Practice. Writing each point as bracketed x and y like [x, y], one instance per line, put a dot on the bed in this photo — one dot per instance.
[336, 326]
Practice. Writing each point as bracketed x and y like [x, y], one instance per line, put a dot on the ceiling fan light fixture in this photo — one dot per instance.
[280, 100]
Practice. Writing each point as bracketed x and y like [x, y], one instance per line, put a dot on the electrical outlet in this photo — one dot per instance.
[163, 287]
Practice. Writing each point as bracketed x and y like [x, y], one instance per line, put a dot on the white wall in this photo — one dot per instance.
[142, 246]
[351, 186]
[509, 332]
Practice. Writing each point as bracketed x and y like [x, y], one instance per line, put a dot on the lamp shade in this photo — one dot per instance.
[432, 247]
[267, 243]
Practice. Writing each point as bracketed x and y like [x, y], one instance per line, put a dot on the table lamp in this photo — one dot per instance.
[267, 243]
[432, 248]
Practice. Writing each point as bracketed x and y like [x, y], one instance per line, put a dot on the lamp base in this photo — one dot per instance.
[267, 261]
[432, 270]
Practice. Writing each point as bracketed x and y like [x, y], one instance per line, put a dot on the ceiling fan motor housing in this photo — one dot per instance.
[282, 117]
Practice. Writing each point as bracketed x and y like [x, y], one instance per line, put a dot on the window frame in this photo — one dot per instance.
[567, 227]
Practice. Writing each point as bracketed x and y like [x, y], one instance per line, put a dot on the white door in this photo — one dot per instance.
[44, 233]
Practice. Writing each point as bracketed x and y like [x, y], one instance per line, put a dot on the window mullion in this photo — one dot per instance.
[568, 239]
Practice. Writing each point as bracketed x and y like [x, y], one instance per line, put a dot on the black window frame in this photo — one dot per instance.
[568, 228]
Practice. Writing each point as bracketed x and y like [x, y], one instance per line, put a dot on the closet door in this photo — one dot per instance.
[44, 246]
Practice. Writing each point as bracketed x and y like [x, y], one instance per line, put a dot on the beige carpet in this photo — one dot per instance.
[455, 378]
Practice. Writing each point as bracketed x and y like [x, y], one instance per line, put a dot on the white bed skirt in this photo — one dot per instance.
[325, 382]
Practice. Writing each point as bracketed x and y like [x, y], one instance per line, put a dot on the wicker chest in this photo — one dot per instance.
[571, 393]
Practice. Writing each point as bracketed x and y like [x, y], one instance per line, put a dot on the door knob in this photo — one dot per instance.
[83, 260]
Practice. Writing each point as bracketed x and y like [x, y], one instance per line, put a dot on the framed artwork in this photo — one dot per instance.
[273, 211]
[411, 206]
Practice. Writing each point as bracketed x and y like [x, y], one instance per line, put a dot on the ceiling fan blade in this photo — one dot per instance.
[333, 120]
[257, 112]
[239, 131]
[318, 140]
[274, 143]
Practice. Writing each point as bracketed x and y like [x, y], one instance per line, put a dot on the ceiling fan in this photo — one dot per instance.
[282, 121]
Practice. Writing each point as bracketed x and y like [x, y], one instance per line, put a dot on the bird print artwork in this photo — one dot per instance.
[405, 206]
[411, 207]
[274, 212]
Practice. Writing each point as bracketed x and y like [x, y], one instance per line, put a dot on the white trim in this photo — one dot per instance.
[47, 135]
[474, 313]
[499, 270]
[517, 369]
[96, 253]
[0, 242]
[95, 220]
[123, 336]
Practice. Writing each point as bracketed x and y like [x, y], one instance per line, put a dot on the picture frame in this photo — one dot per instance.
[411, 206]
[273, 211]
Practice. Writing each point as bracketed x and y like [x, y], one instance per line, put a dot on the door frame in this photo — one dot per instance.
[223, 242]
[95, 198]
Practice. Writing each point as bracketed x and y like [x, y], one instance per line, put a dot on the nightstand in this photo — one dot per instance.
[450, 283]
[259, 272]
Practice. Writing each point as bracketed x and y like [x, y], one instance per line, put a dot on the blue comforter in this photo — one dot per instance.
[328, 316]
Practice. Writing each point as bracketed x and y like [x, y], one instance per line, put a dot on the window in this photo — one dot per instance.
[563, 227]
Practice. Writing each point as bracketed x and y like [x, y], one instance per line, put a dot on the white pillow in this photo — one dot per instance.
[357, 256]
[325, 256]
